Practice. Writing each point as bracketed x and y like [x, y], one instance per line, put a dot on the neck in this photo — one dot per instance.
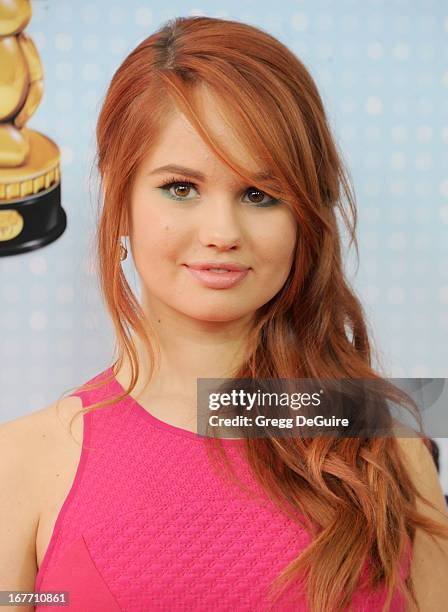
[189, 349]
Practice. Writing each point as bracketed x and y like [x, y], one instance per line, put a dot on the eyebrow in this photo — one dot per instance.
[264, 175]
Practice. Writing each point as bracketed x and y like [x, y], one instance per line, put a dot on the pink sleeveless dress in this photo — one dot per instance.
[148, 525]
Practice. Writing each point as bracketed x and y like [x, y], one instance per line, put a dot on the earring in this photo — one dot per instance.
[123, 252]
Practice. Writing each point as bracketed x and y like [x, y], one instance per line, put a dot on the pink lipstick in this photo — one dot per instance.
[218, 275]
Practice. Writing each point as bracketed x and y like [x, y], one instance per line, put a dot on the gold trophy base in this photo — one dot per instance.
[40, 170]
[31, 215]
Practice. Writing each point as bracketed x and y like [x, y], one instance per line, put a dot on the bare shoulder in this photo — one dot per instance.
[420, 465]
[422, 469]
[34, 438]
[33, 449]
[429, 566]
[38, 442]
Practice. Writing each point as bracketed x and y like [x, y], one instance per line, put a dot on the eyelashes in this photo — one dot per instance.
[173, 181]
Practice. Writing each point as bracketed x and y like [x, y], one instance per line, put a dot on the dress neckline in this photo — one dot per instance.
[163, 425]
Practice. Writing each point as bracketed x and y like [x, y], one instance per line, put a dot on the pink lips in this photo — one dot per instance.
[218, 280]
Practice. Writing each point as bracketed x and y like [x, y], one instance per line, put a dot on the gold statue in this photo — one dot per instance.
[30, 211]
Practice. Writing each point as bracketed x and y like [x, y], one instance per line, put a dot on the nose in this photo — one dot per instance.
[219, 225]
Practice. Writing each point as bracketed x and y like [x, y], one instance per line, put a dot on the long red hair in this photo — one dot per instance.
[355, 494]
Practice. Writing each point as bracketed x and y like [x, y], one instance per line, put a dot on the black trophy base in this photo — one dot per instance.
[44, 220]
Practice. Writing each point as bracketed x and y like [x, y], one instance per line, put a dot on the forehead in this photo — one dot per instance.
[180, 143]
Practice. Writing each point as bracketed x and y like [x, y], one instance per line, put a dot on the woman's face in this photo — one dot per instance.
[217, 218]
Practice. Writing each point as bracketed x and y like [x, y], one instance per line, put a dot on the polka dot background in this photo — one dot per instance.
[382, 70]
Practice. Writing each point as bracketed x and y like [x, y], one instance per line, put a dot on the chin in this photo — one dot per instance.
[216, 316]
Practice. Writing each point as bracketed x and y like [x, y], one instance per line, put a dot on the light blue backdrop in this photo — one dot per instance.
[382, 70]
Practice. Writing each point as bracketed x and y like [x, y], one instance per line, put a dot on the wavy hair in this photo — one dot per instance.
[356, 494]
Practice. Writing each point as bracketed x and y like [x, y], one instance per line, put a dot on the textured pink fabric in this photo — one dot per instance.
[149, 525]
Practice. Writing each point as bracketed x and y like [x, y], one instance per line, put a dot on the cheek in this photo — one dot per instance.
[278, 248]
[155, 232]
[156, 248]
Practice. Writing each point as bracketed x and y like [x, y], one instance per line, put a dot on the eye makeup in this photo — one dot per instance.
[166, 186]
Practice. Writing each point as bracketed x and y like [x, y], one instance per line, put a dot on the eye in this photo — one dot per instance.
[259, 197]
[176, 189]
[180, 188]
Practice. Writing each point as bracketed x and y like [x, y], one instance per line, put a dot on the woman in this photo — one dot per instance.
[214, 149]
